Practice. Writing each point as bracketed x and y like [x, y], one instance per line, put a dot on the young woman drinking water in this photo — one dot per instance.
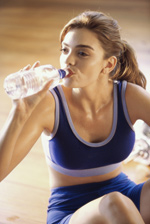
[86, 126]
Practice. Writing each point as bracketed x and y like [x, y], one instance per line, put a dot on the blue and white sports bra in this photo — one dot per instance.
[69, 154]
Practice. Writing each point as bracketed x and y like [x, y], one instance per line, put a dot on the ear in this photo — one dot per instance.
[110, 64]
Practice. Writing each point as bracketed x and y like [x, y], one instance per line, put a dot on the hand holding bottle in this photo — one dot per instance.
[29, 81]
[24, 106]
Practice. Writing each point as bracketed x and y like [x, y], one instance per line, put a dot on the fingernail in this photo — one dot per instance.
[28, 66]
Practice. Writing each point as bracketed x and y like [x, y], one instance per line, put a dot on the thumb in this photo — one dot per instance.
[47, 85]
[45, 88]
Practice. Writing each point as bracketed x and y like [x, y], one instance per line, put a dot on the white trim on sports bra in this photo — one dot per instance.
[115, 117]
[84, 172]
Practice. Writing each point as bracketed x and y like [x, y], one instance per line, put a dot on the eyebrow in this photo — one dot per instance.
[81, 45]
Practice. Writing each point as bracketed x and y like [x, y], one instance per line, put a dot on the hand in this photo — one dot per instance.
[25, 106]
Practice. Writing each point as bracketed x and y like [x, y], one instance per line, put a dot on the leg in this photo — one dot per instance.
[114, 208]
[119, 209]
[145, 202]
[89, 214]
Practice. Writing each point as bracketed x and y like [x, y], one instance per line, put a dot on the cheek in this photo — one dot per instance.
[95, 64]
[93, 68]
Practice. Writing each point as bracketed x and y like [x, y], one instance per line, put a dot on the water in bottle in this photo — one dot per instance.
[25, 83]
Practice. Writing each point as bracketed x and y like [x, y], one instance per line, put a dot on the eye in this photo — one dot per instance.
[64, 50]
[82, 53]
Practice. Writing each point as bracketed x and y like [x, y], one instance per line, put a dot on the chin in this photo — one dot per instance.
[68, 83]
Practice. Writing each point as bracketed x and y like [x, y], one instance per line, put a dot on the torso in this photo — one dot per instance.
[101, 125]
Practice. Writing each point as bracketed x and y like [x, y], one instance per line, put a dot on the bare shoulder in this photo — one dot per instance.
[138, 103]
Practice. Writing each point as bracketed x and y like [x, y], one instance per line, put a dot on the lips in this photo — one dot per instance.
[70, 73]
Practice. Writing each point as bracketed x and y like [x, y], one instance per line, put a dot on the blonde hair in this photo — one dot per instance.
[108, 33]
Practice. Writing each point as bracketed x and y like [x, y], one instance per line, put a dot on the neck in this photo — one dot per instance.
[94, 97]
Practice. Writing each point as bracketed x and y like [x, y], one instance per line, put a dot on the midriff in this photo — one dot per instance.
[60, 180]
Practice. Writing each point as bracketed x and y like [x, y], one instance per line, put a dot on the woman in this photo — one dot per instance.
[86, 126]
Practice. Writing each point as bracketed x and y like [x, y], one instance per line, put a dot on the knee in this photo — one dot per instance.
[116, 203]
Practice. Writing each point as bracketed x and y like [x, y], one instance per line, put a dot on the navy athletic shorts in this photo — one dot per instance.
[64, 201]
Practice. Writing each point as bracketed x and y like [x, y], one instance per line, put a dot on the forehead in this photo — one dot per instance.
[81, 36]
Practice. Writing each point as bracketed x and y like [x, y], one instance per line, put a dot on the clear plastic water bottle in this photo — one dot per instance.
[26, 83]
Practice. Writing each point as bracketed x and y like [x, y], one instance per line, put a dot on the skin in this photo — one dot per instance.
[89, 82]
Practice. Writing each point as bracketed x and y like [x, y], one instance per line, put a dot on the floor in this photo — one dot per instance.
[29, 31]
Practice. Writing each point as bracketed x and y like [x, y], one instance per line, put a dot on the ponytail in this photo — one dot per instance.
[127, 67]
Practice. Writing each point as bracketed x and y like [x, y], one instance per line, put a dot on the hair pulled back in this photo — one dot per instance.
[108, 33]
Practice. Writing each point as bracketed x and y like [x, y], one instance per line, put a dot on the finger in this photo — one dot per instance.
[45, 89]
[47, 85]
[36, 64]
[27, 67]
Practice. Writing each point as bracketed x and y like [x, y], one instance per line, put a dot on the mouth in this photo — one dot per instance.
[70, 72]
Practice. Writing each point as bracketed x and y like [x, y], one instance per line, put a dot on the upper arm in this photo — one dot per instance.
[138, 103]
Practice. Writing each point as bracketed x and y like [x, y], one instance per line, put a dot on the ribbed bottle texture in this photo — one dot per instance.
[26, 83]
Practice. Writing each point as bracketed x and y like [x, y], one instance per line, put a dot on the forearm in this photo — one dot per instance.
[23, 127]
[8, 139]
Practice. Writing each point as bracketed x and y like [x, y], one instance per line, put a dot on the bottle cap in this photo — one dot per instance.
[62, 73]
